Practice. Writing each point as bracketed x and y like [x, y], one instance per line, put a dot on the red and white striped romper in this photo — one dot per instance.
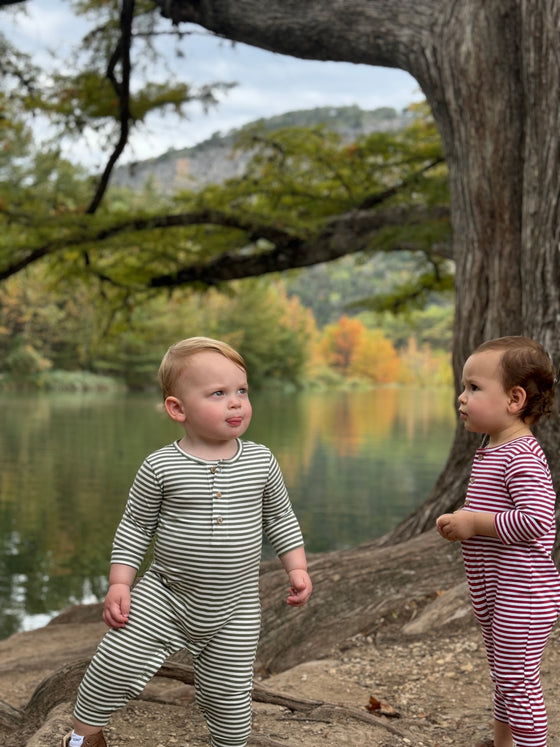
[514, 584]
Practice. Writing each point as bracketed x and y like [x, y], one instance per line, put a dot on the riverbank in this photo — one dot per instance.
[418, 678]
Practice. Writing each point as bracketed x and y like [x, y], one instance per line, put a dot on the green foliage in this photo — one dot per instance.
[24, 361]
[374, 288]
[432, 326]
[60, 381]
[66, 328]
[305, 174]
[271, 331]
[88, 99]
[296, 181]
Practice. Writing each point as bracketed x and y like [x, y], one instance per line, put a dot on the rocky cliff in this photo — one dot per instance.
[216, 159]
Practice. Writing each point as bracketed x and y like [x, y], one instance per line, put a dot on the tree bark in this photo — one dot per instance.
[491, 74]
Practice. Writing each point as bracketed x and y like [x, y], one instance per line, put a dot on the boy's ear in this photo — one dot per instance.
[174, 409]
[517, 399]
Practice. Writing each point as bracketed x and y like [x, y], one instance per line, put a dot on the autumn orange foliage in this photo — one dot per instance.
[355, 351]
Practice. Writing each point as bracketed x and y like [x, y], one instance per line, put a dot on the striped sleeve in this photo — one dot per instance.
[280, 524]
[528, 482]
[140, 519]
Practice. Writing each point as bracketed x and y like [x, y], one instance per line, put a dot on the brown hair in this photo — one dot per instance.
[173, 361]
[526, 363]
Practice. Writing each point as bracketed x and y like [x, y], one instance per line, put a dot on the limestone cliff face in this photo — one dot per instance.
[216, 159]
[190, 168]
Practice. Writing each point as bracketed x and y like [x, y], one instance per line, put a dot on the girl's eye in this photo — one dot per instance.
[474, 387]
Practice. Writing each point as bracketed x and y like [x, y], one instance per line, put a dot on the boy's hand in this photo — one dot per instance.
[117, 606]
[301, 587]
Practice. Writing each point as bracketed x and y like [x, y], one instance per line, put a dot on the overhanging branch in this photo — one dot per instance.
[344, 234]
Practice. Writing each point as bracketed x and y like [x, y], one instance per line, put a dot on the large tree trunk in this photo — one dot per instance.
[491, 74]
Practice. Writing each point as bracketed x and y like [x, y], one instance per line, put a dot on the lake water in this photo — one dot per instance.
[355, 463]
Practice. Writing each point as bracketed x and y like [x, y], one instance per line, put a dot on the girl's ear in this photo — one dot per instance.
[517, 399]
[174, 409]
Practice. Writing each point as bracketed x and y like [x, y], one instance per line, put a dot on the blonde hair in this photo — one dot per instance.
[526, 363]
[173, 361]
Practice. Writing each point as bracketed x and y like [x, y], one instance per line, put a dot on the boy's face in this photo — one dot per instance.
[211, 399]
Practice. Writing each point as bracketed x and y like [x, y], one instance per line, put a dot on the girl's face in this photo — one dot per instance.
[212, 400]
[484, 405]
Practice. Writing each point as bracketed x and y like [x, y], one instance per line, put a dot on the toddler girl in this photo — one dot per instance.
[507, 528]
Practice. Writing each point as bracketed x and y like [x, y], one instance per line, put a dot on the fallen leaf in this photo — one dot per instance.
[382, 708]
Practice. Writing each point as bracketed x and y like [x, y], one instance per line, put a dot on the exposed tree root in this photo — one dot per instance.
[61, 686]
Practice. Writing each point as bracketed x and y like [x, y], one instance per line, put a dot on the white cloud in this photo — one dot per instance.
[43, 26]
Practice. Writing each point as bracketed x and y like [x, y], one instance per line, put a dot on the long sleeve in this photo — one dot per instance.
[140, 519]
[280, 523]
[529, 485]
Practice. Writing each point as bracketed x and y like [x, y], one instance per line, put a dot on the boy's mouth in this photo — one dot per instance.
[234, 421]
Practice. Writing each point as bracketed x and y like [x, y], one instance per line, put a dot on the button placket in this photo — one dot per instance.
[219, 505]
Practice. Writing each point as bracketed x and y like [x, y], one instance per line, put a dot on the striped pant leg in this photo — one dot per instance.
[521, 628]
[224, 678]
[127, 658]
[483, 608]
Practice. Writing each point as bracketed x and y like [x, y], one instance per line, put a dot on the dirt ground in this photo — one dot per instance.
[428, 686]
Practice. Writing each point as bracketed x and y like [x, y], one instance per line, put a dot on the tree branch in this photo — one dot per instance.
[344, 234]
[377, 199]
[317, 29]
[122, 89]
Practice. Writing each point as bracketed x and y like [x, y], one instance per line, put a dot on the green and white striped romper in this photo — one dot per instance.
[201, 592]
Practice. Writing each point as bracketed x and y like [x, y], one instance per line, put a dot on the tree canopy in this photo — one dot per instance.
[307, 197]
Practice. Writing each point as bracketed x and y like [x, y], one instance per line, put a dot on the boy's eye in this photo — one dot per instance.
[242, 390]
[218, 393]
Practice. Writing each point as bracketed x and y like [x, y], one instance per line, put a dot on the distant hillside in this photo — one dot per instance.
[213, 160]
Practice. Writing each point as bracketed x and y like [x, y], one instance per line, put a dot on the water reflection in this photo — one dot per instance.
[358, 462]
[355, 464]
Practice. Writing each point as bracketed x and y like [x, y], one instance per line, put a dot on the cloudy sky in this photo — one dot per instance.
[267, 84]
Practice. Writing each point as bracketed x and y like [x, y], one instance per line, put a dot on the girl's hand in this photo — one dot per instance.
[457, 526]
[462, 525]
